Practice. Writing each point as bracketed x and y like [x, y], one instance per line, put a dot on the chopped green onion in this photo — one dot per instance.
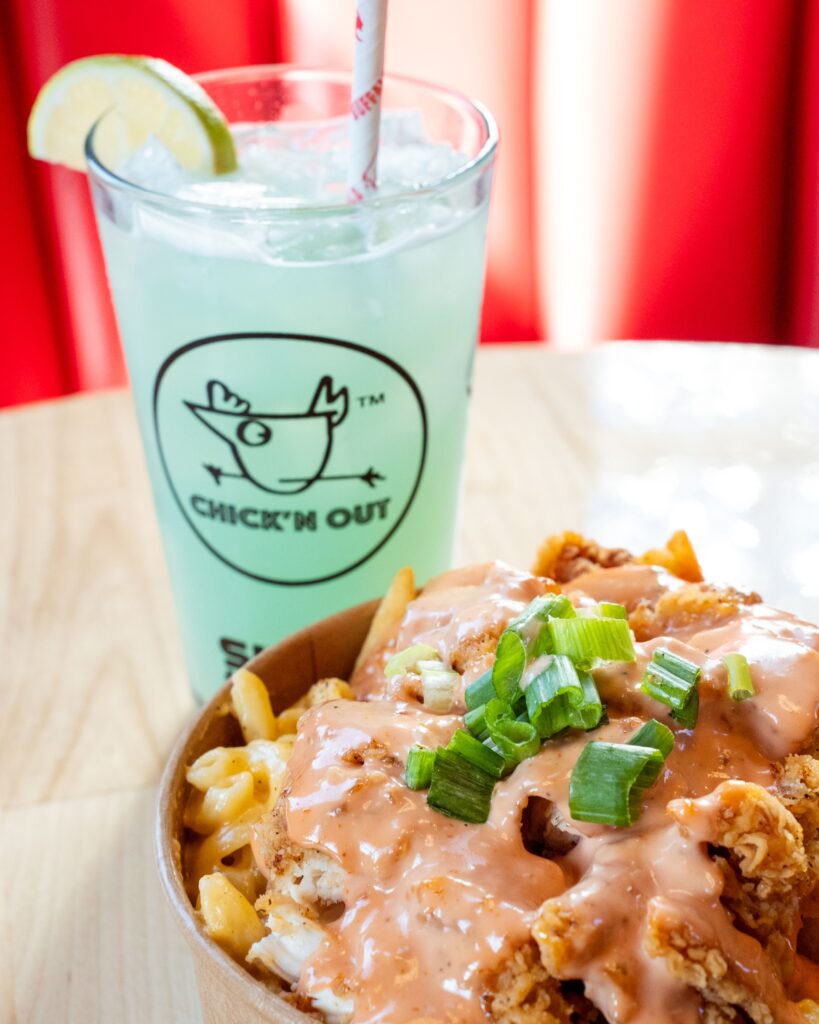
[510, 661]
[740, 684]
[562, 677]
[418, 772]
[559, 697]
[609, 610]
[509, 763]
[608, 782]
[551, 717]
[584, 640]
[549, 694]
[671, 666]
[438, 685]
[543, 607]
[519, 704]
[672, 680]
[515, 740]
[407, 660]
[654, 734]
[688, 714]
[480, 691]
[497, 710]
[477, 753]
[531, 625]
[459, 789]
[588, 713]
[475, 721]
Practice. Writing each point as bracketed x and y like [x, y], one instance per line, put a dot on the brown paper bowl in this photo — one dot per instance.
[229, 994]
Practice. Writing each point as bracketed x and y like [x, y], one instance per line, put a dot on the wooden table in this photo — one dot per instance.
[626, 443]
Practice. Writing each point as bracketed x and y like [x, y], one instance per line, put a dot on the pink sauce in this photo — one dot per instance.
[628, 584]
[453, 609]
[434, 906]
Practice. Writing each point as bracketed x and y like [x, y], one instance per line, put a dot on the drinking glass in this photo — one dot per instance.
[300, 366]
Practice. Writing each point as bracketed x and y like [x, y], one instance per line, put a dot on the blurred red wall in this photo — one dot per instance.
[658, 176]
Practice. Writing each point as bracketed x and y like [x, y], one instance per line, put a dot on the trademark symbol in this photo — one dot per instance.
[364, 401]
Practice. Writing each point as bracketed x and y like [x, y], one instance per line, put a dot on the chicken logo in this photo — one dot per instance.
[293, 458]
[278, 452]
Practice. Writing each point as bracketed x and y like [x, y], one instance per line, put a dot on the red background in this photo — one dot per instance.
[659, 170]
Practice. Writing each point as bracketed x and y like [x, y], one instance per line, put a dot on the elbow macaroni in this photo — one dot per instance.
[231, 788]
[230, 917]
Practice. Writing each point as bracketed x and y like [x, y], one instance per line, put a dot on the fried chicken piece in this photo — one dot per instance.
[373, 750]
[476, 648]
[326, 690]
[308, 877]
[559, 936]
[764, 861]
[762, 837]
[563, 556]
[293, 936]
[463, 613]
[700, 604]
[774, 922]
[319, 693]
[739, 977]
[525, 993]
[798, 789]
[713, 1014]
[808, 941]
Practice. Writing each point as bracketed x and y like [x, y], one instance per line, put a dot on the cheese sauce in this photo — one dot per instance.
[433, 907]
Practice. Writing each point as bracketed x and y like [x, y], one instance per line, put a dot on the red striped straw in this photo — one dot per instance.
[365, 103]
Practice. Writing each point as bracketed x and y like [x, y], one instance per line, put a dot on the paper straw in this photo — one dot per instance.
[365, 103]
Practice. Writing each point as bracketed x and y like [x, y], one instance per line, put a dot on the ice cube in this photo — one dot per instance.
[153, 166]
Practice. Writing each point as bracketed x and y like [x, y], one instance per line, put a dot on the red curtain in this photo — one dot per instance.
[60, 334]
[658, 177]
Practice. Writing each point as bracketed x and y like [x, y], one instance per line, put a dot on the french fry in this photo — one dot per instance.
[677, 557]
[390, 612]
[251, 705]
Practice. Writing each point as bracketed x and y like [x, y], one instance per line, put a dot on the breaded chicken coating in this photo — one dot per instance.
[525, 993]
[722, 978]
[701, 604]
[567, 555]
[563, 556]
[308, 877]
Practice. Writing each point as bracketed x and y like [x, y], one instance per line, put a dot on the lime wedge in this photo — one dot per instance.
[146, 96]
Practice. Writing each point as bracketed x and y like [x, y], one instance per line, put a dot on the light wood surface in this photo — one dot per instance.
[626, 442]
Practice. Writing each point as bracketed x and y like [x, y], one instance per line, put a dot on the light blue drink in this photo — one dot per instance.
[300, 368]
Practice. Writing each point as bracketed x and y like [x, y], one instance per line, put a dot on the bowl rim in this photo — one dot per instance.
[168, 856]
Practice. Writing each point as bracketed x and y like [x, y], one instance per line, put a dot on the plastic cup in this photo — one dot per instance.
[300, 372]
